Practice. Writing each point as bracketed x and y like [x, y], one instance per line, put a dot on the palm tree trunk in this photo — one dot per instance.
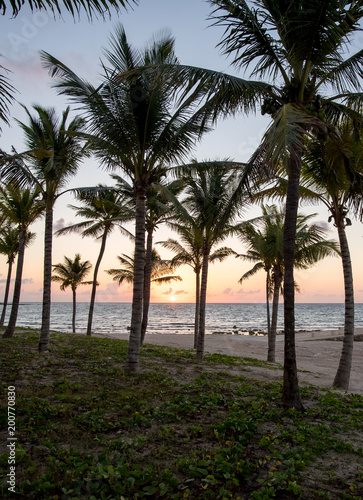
[197, 308]
[74, 311]
[9, 332]
[268, 303]
[271, 355]
[343, 374]
[202, 305]
[47, 280]
[290, 390]
[147, 283]
[7, 288]
[133, 353]
[94, 283]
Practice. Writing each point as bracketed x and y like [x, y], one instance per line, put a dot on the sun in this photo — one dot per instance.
[172, 299]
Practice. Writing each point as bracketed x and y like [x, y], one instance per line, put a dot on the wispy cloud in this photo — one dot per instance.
[27, 281]
[61, 223]
[172, 292]
[24, 281]
[248, 292]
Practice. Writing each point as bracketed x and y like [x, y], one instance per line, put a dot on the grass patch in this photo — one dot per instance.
[178, 429]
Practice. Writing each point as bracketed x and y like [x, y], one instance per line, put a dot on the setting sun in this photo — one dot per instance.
[172, 299]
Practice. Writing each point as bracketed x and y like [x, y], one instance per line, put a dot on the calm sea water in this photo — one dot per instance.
[178, 318]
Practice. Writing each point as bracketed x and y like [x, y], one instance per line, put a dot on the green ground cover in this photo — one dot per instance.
[179, 429]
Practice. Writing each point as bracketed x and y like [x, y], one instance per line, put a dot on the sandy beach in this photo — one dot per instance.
[318, 354]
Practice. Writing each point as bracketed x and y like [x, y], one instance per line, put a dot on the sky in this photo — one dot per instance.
[79, 43]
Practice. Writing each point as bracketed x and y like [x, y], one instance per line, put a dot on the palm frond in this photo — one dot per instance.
[92, 8]
[7, 95]
[251, 272]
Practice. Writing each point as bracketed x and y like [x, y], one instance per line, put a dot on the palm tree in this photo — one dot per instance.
[72, 273]
[326, 178]
[265, 247]
[259, 251]
[210, 208]
[9, 246]
[54, 154]
[160, 270]
[158, 210]
[20, 207]
[189, 252]
[133, 125]
[299, 47]
[104, 209]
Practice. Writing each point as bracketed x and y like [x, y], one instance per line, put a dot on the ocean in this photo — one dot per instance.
[178, 318]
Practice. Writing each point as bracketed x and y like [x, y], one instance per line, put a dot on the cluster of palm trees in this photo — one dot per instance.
[265, 249]
[150, 110]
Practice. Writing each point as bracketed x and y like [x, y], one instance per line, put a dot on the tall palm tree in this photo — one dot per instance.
[265, 247]
[9, 246]
[189, 252]
[71, 274]
[133, 125]
[299, 48]
[104, 209]
[326, 178]
[158, 210]
[54, 153]
[20, 207]
[210, 207]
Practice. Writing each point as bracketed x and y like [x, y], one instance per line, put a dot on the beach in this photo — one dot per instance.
[318, 354]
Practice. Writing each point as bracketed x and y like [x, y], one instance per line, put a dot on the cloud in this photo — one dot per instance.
[27, 281]
[172, 292]
[228, 291]
[248, 292]
[111, 289]
[24, 281]
[323, 223]
[61, 223]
